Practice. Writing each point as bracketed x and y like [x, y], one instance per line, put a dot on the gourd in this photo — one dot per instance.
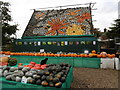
[29, 79]
[12, 61]
[58, 75]
[55, 80]
[18, 79]
[46, 72]
[13, 78]
[5, 73]
[28, 74]
[58, 85]
[93, 52]
[20, 68]
[49, 78]
[43, 77]
[8, 77]
[4, 59]
[99, 56]
[40, 72]
[62, 79]
[12, 69]
[6, 68]
[51, 84]
[36, 76]
[44, 83]
[24, 70]
[38, 82]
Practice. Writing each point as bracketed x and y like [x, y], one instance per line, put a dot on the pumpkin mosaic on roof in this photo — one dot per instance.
[74, 30]
[57, 22]
[56, 26]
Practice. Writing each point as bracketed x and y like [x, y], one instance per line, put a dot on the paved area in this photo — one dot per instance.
[95, 78]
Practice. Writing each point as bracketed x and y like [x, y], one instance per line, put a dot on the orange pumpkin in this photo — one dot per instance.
[93, 51]
[1, 52]
[7, 53]
[90, 55]
[113, 55]
[75, 55]
[86, 55]
[47, 54]
[62, 55]
[103, 56]
[55, 55]
[82, 55]
[72, 55]
[99, 56]
[4, 59]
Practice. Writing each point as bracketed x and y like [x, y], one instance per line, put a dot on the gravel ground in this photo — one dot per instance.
[94, 78]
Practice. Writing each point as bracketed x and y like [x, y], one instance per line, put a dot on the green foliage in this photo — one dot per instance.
[7, 29]
[115, 30]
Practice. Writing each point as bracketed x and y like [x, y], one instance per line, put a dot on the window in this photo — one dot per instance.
[77, 43]
[62, 43]
[35, 43]
[19, 43]
[82, 42]
[88, 42]
[30, 43]
[49, 43]
[25, 43]
[58, 43]
[70, 43]
[39, 43]
[66, 42]
[43, 43]
[94, 42]
[16, 43]
[54, 43]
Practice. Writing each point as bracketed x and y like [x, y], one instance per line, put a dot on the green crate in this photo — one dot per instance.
[73, 61]
[91, 62]
[78, 62]
[6, 84]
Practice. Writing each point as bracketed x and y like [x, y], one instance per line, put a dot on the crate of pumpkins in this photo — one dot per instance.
[54, 75]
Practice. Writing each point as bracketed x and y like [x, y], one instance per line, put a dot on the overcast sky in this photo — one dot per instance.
[21, 11]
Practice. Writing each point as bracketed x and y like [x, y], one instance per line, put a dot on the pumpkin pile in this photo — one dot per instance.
[92, 54]
[54, 75]
[33, 65]
[8, 61]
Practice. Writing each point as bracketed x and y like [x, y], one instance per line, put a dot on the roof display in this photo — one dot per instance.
[70, 21]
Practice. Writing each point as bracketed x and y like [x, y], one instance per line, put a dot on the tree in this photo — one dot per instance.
[115, 30]
[7, 29]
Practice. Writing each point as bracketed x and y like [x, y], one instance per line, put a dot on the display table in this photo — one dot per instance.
[13, 85]
[73, 61]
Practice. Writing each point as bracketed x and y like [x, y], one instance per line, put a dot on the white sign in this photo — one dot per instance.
[86, 51]
[39, 43]
[94, 42]
[24, 80]
[66, 43]
[41, 50]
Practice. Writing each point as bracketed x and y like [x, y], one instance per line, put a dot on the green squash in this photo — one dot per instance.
[51, 84]
[43, 77]
[56, 80]
[49, 78]
[12, 61]
[38, 82]
[62, 79]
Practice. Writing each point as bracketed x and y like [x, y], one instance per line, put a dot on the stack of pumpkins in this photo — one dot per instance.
[92, 54]
[53, 75]
[8, 61]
